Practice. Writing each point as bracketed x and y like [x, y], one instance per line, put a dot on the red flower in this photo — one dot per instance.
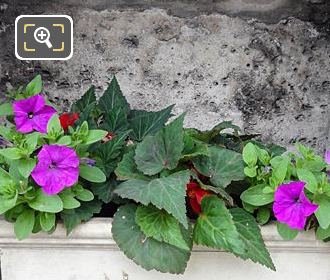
[67, 120]
[196, 195]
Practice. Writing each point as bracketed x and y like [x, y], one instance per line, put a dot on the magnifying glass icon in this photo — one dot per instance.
[41, 35]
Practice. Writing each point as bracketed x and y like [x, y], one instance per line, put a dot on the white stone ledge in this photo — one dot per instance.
[96, 234]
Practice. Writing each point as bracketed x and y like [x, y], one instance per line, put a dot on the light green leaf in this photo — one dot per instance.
[250, 171]
[162, 150]
[161, 226]
[166, 193]
[215, 227]
[146, 251]
[85, 195]
[322, 233]
[32, 141]
[222, 166]
[64, 141]
[54, 125]
[35, 86]
[7, 203]
[69, 202]
[144, 123]
[249, 232]
[92, 174]
[47, 221]
[286, 232]
[280, 167]
[24, 224]
[256, 196]
[6, 109]
[25, 166]
[322, 213]
[250, 154]
[46, 203]
[309, 178]
[95, 135]
[11, 153]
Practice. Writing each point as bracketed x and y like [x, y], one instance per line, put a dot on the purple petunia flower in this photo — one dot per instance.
[291, 206]
[57, 168]
[327, 157]
[32, 114]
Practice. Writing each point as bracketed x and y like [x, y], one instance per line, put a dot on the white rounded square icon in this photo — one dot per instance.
[44, 37]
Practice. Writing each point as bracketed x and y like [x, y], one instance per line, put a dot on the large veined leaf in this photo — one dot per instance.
[87, 99]
[115, 121]
[144, 123]
[105, 191]
[249, 232]
[127, 168]
[215, 227]
[222, 166]
[193, 147]
[113, 99]
[162, 150]
[166, 193]
[161, 226]
[146, 251]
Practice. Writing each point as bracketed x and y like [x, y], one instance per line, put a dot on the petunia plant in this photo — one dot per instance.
[292, 188]
[43, 169]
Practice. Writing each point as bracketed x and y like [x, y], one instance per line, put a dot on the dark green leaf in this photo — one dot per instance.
[165, 193]
[85, 212]
[145, 251]
[144, 123]
[127, 168]
[222, 166]
[86, 100]
[161, 226]
[105, 191]
[249, 232]
[115, 121]
[215, 227]
[162, 150]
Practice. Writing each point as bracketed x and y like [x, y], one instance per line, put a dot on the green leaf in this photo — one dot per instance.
[54, 125]
[161, 226]
[47, 221]
[322, 213]
[6, 109]
[92, 174]
[95, 135]
[46, 203]
[280, 167]
[263, 215]
[193, 148]
[146, 251]
[11, 153]
[215, 227]
[222, 166]
[25, 166]
[5, 177]
[165, 193]
[256, 196]
[107, 154]
[72, 218]
[105, 191]
[85, 195]
[286, 232]
[127, 168]
[322, 233]
[115, 121]
[250, 155]
[87, 99]
[32, 141]
[113, 99]
[69, 202]
[144, 123]
[64, 141]
[162, 150]
[35, 86]
[7, 203]
[309, 178]
[250, 171]
[24, 224]
[249, 232]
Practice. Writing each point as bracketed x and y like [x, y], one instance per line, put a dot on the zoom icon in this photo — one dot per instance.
[43, 37]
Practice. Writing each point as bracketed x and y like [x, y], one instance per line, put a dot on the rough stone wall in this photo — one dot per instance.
[263, 64]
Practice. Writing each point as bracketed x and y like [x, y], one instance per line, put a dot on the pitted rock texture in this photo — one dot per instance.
[269, 78]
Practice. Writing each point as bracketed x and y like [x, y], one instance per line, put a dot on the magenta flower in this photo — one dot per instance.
[32, 114]
[57, 168]
[291, 206]
[327, 157]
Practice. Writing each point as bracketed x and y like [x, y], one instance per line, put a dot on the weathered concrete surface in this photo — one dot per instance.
[269, 75]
